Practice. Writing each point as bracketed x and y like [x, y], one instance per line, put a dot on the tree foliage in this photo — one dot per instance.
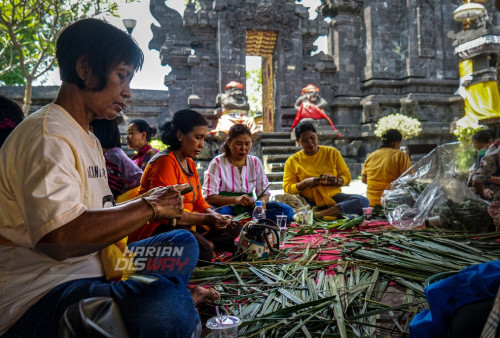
[254, 90]
[28, 34]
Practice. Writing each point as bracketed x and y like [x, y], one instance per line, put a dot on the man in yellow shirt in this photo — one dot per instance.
[384, 165]
[317, 173]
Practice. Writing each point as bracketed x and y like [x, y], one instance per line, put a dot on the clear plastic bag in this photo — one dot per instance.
[435, 189]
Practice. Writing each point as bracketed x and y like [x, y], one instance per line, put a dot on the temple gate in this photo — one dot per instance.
[207, 47]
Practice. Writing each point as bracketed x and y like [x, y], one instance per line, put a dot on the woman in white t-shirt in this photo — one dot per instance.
[235, 180]
[57, 212]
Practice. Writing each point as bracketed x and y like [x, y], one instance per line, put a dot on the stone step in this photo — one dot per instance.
[277, 142]
[275, 167]
[275, 176]
[276, 186]
[276, 135]
[280, 150]
[275, 158]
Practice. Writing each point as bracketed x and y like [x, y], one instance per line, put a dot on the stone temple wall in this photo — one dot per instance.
[144, 104]
[383, 57]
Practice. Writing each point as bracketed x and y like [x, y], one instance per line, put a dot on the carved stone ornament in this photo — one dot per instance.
[482, 45]
[331, 8]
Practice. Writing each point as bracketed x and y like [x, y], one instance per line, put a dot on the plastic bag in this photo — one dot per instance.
[436, 186]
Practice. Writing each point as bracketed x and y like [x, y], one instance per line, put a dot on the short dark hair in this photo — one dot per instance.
[483, 136]
[184, 121]
[235, 131]
[107, 132]
[143, 126]
[103, 45]
[11, 115]
[303, 127]
[390, 136]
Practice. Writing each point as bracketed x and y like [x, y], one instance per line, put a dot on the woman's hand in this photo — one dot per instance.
[244, 200]
[330, 180]
[167, 201]
[217, 221]
[487, 194]
[313, 182]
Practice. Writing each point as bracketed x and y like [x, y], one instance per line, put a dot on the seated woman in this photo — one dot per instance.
[123, 174]
[139, 134]
[57, 213]
[384, 165]
[11, 115]
[232, 177]
[185, 138]
[317, 173]
[482, 140]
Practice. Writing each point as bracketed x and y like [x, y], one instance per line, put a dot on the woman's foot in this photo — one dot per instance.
[332, 211]
[201, 295]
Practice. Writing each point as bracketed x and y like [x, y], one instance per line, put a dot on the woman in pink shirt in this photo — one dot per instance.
[232, 178]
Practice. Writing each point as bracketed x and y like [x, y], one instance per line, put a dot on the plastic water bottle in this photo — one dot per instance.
[258, 212]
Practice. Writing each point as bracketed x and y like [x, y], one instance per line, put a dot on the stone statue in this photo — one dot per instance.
[310, 105]
[233, 98]
[234, 109]
[310, 94]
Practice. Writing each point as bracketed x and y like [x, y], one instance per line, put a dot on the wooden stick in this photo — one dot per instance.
[263, 192]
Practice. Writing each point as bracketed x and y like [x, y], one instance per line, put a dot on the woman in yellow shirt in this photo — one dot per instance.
[317, 173]
[384, 165]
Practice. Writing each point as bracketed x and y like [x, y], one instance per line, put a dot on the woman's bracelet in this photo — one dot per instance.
[153, 218]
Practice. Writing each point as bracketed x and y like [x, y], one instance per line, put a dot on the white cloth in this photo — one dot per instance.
[51, 171]
[221, 175]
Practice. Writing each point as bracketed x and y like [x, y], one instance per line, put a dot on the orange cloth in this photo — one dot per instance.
[381, 168]
[164, 170]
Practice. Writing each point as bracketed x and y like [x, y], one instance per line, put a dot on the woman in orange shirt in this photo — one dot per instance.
[185, 138]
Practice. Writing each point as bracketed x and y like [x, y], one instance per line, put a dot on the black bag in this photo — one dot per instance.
[92, 317]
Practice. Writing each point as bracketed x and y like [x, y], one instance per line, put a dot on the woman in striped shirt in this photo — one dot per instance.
[232, 179]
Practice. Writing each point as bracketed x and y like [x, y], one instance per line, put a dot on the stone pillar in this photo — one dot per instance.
[346, 49]
[179, 85]
[231, 55]
[289, 77]
[384, 29]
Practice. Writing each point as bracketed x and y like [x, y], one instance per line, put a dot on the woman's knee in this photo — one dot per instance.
[153, 314]
[225, 210]
[174, 251]
[363, 201]
[283, 209]
[172, 238]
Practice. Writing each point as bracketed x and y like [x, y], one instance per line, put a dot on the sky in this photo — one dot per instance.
[153, 73]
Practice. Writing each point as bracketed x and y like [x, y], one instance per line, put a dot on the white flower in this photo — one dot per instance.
[408, 127]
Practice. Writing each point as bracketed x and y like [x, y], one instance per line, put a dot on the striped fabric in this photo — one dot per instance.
[221, 175]
[490, 329]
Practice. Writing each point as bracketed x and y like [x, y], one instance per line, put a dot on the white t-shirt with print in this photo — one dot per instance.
[51, 171]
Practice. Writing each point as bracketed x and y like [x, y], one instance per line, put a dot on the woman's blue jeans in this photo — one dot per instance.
[163, 308]
[351, 204]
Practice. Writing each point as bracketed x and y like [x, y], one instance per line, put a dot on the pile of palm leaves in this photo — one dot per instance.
[375, 287]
